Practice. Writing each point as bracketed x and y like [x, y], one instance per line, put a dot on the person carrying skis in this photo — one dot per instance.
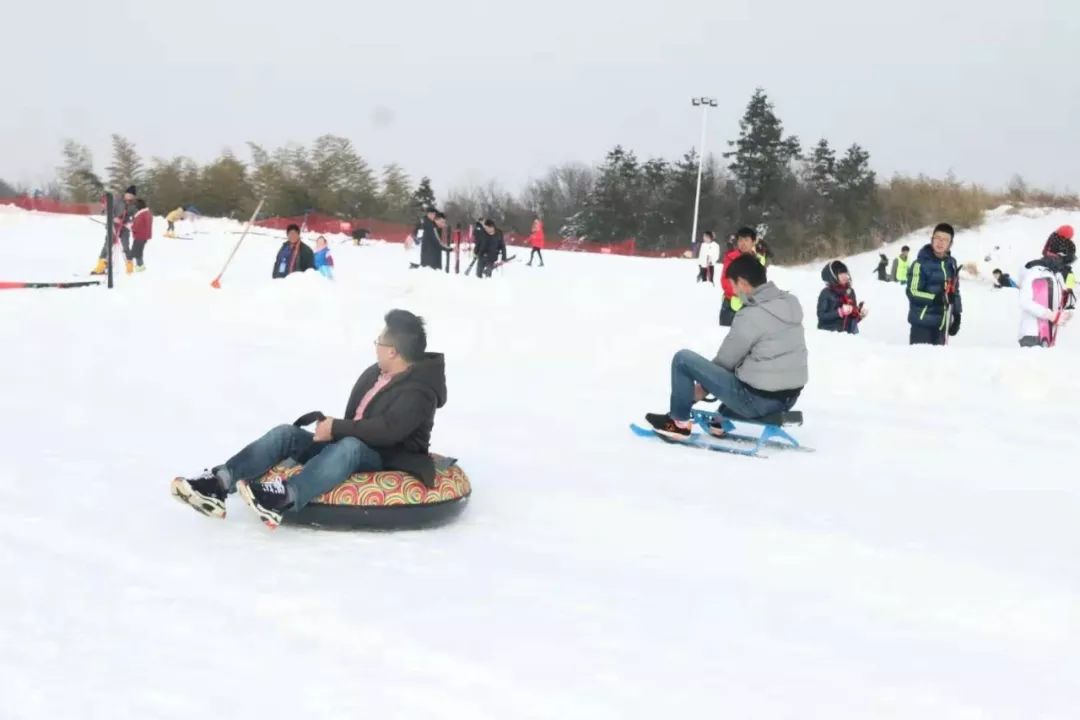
[901, 266]
[933, 293]
[387, 425]
[489, 244]
[838, 309]
[122, 219]
[745, 242]
[883, 268]
[1003, 280]
[761, 366]
[1044, 307]
[708, 256]
[536, 242]
[294, 255]
[142, 229]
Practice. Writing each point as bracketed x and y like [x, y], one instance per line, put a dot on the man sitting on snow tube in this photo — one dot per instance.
[387, 425]
[760, 368]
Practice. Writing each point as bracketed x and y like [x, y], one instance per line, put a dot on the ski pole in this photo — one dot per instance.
[217, 281]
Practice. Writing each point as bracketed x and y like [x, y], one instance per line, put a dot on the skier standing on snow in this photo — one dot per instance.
[142, 229]
[838, 309]
[761, 366]
[708, 256]
[1043, 296]
[294, 255]
[536, 242]
[901, 266]
[883, 268]
[172, 218]
[745, 242]
[934, 291]
[387, 425]
[122, 219]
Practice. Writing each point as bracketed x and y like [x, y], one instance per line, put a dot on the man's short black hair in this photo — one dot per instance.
[997, 271]
[749, 268]
[489, 223]
[945, 228]
[747, 232]
[905, 249]
[405, 332]
[711, 235]
[291, 227]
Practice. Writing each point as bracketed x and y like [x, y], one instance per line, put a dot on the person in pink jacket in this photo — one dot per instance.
[536, 241]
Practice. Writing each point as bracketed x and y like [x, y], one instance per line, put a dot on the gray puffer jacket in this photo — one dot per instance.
[766, 346]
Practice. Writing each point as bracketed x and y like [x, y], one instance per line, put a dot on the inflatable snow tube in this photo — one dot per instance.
[384, 500]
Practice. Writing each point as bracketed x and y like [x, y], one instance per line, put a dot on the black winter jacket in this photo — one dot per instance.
[397, 423]
[283, 263]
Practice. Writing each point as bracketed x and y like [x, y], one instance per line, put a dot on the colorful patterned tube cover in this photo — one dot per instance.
[384, 500]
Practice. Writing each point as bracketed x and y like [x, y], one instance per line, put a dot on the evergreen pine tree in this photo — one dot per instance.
[611, 212]
[856, 194]
[395, 195]
[423, 197]
[77, 172]
[761, 159]
[126, 167]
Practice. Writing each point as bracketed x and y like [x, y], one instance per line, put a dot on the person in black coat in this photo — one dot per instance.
[387, 425]
[883, 268]
[489, 245]
[838, 309]
[294, 255]
[427, 236]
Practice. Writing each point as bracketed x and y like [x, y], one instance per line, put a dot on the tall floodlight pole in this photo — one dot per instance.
[705, 103]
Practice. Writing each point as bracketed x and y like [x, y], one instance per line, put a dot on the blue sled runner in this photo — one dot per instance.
[773, 436]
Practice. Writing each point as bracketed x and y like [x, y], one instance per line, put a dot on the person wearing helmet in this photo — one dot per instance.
[838, 310]
[1043, 295]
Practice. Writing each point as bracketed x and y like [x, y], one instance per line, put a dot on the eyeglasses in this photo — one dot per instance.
[382, 344]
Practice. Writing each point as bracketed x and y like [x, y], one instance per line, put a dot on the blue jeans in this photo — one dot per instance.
[331, 466]
[688, 367]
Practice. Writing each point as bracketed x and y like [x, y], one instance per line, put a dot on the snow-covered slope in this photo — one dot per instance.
[921, 564]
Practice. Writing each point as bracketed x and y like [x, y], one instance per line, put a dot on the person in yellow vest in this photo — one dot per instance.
[901, 266]
[172, 218]
[1070, 289]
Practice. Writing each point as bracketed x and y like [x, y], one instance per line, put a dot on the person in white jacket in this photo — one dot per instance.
[1043, 308]
[708, 256]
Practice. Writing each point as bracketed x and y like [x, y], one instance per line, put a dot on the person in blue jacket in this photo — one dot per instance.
[838, 310]
[324, 261]
[934, 306]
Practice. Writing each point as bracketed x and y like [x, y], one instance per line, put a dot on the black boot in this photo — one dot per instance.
[205, 493]
[268, 499]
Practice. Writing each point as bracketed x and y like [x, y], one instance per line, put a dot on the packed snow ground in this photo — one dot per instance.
[923, 563]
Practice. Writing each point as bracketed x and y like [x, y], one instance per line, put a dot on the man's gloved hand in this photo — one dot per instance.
[954, 324]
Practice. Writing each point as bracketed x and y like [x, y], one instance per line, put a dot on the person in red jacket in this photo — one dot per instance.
[745, 242]
[142, 229]
[536, 241]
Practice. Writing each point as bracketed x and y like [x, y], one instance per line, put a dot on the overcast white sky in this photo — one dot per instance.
[465, 90]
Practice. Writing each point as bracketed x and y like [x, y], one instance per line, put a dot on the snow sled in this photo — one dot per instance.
[384, 500]
[773, 436]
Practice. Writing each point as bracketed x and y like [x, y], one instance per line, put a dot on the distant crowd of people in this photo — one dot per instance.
[932, 284]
